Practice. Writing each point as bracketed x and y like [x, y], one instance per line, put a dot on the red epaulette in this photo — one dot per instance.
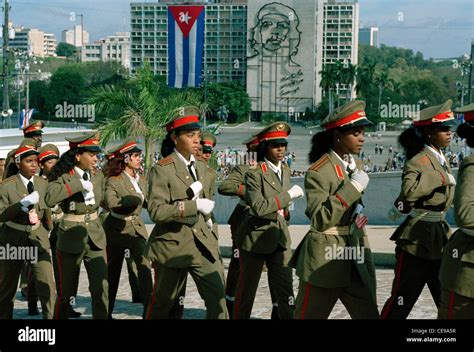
[264, 167]
[339, 172]
[322, 161]
[424, 160]
[71, 172]
[166, 161]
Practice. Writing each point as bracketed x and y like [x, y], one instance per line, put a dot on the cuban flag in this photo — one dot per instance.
[185, 45]
[25, 116]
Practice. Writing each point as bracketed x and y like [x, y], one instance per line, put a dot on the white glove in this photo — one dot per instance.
[360, 180]
[87, 185]
[209, 224]
[30, 199]
[296, 192]
[89, 196]
[452, 180]
[196, 187]
[204, 206]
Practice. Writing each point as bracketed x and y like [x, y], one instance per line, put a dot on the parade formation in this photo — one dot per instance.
[69, 210]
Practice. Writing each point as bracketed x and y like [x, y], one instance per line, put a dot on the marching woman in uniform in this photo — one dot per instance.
[125, 196]
[79, 190]
[426, 195]
[267, 240]
[234, 185]
[334, 260]
[26, 223]
[47, 158]
[181, 241]
[457, 265]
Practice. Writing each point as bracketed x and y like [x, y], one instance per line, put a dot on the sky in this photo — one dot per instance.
[436, 28]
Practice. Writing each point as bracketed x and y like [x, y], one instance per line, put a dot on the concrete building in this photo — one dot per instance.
[369, 36]
[33, 41]
[226, 33]
[112, 48]
[341, 37]
[73, 36]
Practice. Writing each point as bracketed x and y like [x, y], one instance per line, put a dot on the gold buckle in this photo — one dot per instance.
[87, 217]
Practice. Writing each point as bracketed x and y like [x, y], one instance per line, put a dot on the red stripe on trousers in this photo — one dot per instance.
[451, 305]
[397, 285]
[306, 300]
[153, 297]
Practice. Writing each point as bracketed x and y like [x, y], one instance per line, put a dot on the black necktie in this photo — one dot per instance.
[190, 168]
[349, 171]
[85, 176]
[30, 187]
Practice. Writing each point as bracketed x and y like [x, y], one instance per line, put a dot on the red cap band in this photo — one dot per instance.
[181, 122]
[273, 135]
[445, 116]
[46, 154]
[358, 115]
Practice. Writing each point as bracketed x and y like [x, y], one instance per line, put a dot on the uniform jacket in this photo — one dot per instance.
[331, 201]
[457, 267]
[12, 190]
[122, 198]
[425, 186]
[180, 237]
[67, 192]
[267, 231]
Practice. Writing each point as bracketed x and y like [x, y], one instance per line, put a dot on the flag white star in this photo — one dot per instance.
[184, 17]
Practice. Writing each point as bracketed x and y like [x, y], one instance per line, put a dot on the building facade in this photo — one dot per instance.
[369, 36]
[74, 37]
[112, 48]
[33, 41]
[225, 36]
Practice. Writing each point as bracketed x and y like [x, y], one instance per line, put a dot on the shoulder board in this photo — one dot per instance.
[263, 166]
[72, 172]
[8, 180]
[424, 160]
[339, 172]
[166, 161]
[322, 161]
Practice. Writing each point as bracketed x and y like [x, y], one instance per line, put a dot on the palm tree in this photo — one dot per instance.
[383, 81]
[348, 78]
[328, 79]
[140, 109]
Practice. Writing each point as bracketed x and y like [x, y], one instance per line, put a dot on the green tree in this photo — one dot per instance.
[140, 109]
[233, 96]
[65, 49]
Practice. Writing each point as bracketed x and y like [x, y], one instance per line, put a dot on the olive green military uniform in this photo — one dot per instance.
[234, 185]
[16, 231]
[126, 233]
[266, 240]
[181, 241]
[457, 265]
[81, 237]
[426, 195]
[324, 278]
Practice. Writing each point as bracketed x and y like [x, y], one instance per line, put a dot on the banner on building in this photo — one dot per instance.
[185, 45]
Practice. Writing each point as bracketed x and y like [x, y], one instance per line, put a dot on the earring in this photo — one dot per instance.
[338, 140]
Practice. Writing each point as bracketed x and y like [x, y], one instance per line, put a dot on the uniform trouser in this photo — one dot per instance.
[42, 273]
[115, 257]
[169, 284]
[280, 279]
[315, 302]
[411, 275]
[69, 265]
[133, 280]
[455, 306]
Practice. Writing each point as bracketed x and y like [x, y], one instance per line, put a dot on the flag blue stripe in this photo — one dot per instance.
[186, 61]
[199, 48]
[171, 51]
